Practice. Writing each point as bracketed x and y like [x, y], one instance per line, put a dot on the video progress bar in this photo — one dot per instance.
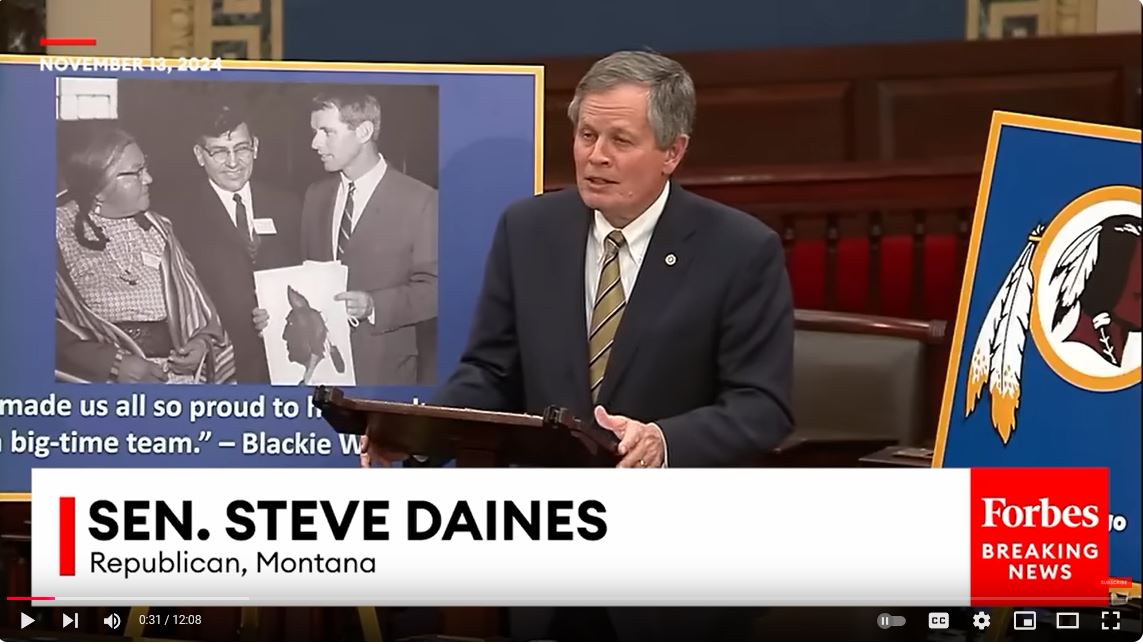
[108, 599]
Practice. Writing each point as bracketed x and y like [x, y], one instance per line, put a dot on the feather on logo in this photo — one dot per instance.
[1074, 269]
[998, 355]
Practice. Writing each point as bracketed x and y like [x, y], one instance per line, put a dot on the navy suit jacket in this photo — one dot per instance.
[705, 347]
[224, 265]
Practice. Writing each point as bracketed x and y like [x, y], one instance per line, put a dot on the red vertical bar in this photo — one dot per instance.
[67, 536]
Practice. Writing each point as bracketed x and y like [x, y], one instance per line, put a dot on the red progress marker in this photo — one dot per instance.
[31, 599]
[67, 42]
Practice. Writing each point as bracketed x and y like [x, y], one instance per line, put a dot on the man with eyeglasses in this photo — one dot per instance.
[233, 225]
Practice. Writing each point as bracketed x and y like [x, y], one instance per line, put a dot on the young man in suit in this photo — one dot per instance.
[231, 225]
[382, 224]
[665, 316]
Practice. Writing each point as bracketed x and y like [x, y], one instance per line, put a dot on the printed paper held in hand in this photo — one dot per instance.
[307, 338]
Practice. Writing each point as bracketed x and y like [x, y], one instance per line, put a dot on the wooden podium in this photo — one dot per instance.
[474, 438]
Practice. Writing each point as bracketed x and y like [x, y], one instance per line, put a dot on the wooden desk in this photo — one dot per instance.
[818, 448]
[897, 456]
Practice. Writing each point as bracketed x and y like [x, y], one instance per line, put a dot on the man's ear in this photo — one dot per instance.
[199, 155]
[364, 131]
[675, 153]
[255, 143]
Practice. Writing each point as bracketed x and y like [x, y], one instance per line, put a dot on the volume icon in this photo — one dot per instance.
[112, 621]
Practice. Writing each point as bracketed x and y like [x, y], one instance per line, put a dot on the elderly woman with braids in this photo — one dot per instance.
[129, 306]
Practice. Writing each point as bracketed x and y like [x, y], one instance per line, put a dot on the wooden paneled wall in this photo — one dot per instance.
[901, 102]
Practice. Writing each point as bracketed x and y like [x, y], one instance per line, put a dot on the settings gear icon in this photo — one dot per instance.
[981, 620]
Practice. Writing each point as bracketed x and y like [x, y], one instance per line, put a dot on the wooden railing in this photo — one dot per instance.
[906, 219]
[932, 333]
[878, 238]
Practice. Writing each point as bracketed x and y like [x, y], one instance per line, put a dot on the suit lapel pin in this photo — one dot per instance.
[670, 259]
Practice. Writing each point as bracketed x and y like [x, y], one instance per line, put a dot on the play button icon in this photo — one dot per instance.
[25, 621]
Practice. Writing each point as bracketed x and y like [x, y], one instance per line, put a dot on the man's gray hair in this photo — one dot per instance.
[671, 98]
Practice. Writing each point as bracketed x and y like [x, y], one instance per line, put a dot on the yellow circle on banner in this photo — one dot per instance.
[1048, 348]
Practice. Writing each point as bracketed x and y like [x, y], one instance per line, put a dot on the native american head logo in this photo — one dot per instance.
[307, 336]
[1076, 286]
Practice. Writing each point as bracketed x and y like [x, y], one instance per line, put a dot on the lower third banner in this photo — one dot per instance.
[518, 537]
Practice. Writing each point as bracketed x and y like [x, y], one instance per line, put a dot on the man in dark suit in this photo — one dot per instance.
[663, 315]
[380, 223]
[232, 225]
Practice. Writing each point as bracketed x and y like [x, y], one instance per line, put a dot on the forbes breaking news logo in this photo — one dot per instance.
[1046, 560]
[1040, 537]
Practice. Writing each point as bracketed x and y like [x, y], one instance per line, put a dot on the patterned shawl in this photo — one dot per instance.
[189, 309]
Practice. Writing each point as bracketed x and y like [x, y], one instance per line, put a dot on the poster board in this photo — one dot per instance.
[460, 143]
[1044, 367]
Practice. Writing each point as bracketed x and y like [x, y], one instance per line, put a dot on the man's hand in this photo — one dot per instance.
[187, 358]
[358, 304]
[261, 318]
[372, 454]
[134, 369]
[640, 444]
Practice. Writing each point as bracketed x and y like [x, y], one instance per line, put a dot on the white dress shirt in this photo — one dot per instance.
[227, 199]
[363, 188]
[638, 237]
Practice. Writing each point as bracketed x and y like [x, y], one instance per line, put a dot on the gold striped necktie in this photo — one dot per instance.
[607, 312]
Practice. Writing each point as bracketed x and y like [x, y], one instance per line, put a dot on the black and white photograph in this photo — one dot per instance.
[196, 222]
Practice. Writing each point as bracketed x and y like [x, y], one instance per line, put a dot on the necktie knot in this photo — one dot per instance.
[614, 241]
[351, 186]
[238, 199]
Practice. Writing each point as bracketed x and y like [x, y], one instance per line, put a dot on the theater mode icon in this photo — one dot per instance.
[1068, 621]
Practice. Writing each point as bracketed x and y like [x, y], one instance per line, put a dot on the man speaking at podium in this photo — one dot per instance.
[666, 316]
